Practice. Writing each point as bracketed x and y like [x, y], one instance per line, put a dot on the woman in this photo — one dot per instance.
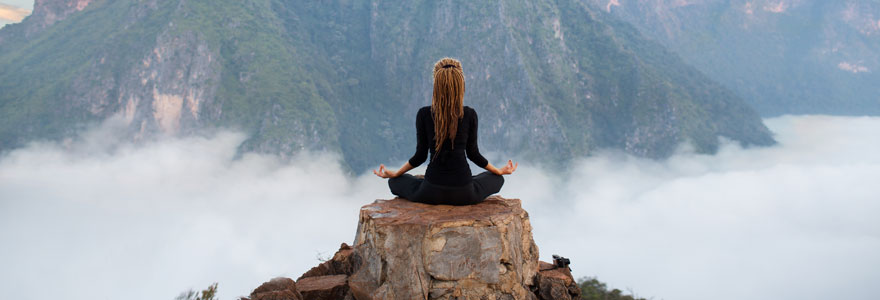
[447, 129]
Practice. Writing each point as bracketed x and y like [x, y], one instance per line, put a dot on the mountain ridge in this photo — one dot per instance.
[549, 79]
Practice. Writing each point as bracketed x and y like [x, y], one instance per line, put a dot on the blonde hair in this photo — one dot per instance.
[447, 104]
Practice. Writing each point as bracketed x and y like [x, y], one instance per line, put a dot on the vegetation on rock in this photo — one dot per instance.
[206, 294]
[593, 289]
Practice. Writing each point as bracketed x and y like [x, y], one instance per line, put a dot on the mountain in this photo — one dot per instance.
[549, 79]
[781, 56]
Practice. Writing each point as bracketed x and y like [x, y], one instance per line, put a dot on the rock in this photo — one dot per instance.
[279, 288]
[329, 280]
[411, 250]
[554, 283]
[406, 250]
[329, 287]
[343, 262]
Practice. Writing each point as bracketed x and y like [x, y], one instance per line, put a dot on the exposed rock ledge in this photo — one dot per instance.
[406, 250]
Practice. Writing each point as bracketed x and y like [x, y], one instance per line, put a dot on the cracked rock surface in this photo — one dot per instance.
[417, 251]
[407, 250]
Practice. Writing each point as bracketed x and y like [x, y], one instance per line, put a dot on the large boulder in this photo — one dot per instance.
[406, 250]
[410, 250]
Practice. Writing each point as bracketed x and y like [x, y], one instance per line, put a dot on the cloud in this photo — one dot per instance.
[793, 221]
[98, 218]
[12, 14]
[854, 67]
[779, 7]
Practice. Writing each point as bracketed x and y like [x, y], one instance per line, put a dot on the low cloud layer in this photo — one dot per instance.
[98, 219]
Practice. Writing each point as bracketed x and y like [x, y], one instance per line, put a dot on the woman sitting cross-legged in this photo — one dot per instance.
[447, 129]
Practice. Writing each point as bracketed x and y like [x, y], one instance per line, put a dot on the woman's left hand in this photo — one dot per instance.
[385, 173]
[508, 168]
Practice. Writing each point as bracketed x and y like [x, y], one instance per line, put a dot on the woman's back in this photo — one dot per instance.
[449, 167]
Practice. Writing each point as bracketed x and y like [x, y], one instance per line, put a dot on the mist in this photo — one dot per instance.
[96, 218]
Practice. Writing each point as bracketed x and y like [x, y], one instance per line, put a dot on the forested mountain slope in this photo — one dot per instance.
[548, 78]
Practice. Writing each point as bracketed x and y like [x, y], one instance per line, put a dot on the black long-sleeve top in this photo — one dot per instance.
[450, 167]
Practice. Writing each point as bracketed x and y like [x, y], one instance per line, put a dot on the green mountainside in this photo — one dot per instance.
[548, 78]
[781, 56]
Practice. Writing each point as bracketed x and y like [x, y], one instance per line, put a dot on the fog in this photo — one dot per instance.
[96, 218]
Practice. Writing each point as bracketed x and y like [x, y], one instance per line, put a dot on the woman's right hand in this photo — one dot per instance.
[385, 173]
[508, 168]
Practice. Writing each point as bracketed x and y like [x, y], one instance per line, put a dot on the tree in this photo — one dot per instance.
[206, 294]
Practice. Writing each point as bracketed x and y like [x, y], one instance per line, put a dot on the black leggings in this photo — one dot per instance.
[419, 190]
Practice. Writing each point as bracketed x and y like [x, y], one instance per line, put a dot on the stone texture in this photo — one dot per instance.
[554, 283]
[342, 263]
[279, 288]
[409, 250]
[406, 250]
[329, 287]
[329, 280]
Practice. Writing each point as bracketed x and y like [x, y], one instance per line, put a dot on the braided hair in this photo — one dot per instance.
[447, 103]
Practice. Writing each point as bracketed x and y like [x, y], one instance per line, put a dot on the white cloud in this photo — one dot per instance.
[794, 221]
[106, 220]
[779, 7]
[854, 67]
[110, 221]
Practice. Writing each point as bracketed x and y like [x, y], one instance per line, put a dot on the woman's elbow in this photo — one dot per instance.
[479, 161]
[416, 161]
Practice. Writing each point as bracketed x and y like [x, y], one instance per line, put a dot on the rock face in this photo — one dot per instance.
[417, 251]
[407, 250]
[276, 289]
[555, 283]
[324, 287]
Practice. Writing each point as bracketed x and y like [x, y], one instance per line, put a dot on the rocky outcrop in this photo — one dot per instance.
[325, 287]
[48, 12]
[554, 282]
[416, 251]
[276, 289]
[407, 250]
[343, 262]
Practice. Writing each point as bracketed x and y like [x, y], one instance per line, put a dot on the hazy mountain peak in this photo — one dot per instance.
[782, 56]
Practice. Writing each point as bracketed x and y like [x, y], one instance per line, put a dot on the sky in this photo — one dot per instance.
[96, 218]
[12, 11]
